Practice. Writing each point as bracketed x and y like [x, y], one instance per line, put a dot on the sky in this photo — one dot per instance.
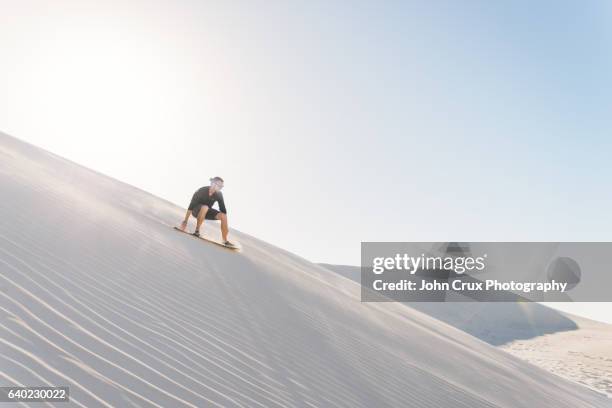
[332, 123]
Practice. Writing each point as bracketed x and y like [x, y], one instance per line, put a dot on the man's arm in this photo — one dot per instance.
[187, 214]
[194, 201]
[221, 203]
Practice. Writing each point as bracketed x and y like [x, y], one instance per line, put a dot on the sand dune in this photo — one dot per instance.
[495, 323]
[569, 346]
[100, 294]
[583, 355]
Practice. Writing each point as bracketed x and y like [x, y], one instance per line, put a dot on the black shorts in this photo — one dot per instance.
[211, 214]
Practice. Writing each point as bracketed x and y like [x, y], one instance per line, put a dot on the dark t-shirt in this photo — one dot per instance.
[201, 197]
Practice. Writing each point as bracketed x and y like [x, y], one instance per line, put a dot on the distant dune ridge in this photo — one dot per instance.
[100, 294]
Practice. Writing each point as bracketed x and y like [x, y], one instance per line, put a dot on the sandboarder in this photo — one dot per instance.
[201, 208]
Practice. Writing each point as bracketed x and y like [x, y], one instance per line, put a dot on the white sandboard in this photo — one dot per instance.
[237, 246]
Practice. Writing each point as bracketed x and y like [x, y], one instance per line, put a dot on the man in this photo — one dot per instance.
[201, 208]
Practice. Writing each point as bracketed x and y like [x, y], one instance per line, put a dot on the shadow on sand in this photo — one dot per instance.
[496, 323]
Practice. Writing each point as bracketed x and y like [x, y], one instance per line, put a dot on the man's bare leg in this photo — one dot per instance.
[201, 216]
[183, 226]
[224, 228]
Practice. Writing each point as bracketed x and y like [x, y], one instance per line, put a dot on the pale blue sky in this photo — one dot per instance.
[332, 122]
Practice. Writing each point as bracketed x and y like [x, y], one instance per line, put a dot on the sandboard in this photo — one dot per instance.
[237, 246]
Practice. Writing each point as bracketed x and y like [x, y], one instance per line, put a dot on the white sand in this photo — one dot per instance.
[99, 293]
[583, 355]
[570, 346]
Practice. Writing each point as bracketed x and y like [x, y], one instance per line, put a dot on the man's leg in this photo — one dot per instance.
[184, 223]
[201, 216]
[224, 229]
